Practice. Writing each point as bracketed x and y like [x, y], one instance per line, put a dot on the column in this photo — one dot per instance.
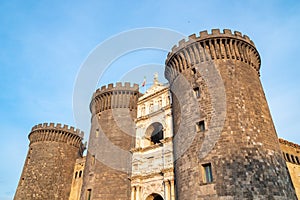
[133, 193]
[137, 193]
[172, 190]
[167, 189]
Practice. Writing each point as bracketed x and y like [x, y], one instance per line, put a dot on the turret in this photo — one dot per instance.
[225, 143]
[48, 168]
[112, 135]
[118, 96]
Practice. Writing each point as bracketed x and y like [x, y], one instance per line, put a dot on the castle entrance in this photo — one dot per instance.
[154, 197]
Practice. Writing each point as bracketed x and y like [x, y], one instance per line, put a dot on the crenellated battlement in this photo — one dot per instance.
[115, 96]
[58, 133]
[58, 126]
[117, 86]
[215, 33]
[213, 46]
[288, 143]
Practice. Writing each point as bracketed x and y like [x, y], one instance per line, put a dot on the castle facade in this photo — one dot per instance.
[207, 134]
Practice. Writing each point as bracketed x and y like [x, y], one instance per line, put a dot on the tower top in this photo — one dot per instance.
[213, 46]
[58, 126]
[117, 87]
[215, 33]
[114, 96]
[57, 133]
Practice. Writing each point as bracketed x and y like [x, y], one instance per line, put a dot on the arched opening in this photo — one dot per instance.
[155, 132]
[154, 196]
[284, 155]
[288, 157]
[293, 159]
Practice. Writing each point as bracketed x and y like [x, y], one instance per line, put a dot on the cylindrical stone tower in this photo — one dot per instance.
[49, 165]
[225, 143]
[112, 135]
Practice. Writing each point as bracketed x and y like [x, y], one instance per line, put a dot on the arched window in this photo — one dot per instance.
[89, 194]
[155, 132]
[288, 157]
[197, 92]
[76, 173]
[151, 107]
[80, 173]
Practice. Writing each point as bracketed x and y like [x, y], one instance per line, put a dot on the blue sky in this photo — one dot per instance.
[44, 43]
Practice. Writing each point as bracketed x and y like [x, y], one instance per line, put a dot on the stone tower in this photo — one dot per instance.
[108, 165]
[225, 143]
[48, 168]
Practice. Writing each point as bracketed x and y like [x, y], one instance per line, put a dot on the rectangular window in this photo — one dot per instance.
[200, 126]
[197, 92]
[143, 110]
[89, 194]
[207, 173]
[97, 132]
[151, 108]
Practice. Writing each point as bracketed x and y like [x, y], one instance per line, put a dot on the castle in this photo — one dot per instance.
[207, 134]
